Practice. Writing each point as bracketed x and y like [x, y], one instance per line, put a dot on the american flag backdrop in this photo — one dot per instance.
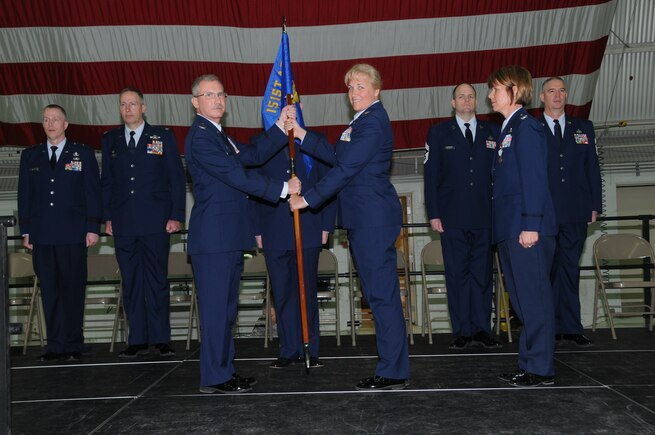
[80, 54]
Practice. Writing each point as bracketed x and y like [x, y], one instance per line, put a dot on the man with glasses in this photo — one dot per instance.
[220, 225]
[575, 185]
[144, 194]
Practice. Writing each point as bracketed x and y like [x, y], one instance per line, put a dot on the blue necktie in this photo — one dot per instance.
[53, 157]
[558, 131]
[468, 133]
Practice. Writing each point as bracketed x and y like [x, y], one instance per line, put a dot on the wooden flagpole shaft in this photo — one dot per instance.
[299, 254]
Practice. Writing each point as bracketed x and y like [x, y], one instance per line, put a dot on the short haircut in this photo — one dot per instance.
[367, 70]
[55, 106]
[203, 78]
[550, 79]
[510, 76]
[475, 94]
[131, 89]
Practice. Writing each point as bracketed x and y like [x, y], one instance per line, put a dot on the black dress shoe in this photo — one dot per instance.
[230, 387]
[531, 380]
[74, 356]
[380, 383]
[282, 363]
[485, 340]
[314, 363]
[507, 377]
[460, 343]
[244, 379]
[51, 357]
[165, 349]
[579, 339]
[133, 350]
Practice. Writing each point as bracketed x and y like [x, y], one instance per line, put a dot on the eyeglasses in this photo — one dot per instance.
[212, 95]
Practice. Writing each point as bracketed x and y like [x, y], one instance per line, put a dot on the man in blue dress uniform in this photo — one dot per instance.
[220, 224]
[575, 185]
[457, 186]
[275, 234]
[59, 217]
[144, 193]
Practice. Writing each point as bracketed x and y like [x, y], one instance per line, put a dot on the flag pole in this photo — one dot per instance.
[299, 253]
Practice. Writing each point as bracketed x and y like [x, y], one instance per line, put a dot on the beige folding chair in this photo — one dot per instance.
[20, 266]
[432, 261]
[329, 268]
[255, 294]
[625, 250]
[180, 271]
[102, 270]
[502, 302]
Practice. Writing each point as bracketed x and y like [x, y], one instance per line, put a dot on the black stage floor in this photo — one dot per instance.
[606, 389]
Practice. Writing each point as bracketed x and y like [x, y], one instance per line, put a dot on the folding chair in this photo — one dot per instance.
[627, 250]
[20, 266]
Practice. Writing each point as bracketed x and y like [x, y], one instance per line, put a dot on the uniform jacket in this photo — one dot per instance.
[361, 163]
[59, 206]
[273, 220]
[521, 200]
[220, 220]
[457, 176]
[142, 190]
[573, 171]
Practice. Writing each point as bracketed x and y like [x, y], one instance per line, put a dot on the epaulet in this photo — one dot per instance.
[523, 116]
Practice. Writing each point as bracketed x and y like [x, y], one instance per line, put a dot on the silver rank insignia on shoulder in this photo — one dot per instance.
[202, 127]
[522, 117]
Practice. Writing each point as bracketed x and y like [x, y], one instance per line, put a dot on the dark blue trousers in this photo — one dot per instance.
[283, 272]
[217, 277]
[374, 252]
[565, 277]
[527, 277]
[468, 266]
[143, 261]
[61, 270]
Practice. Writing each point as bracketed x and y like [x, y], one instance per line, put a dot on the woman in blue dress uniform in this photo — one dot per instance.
[524, 224]
[369, 208]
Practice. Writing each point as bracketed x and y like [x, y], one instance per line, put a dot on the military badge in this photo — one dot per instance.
[345, 136]
[75, 166]
[507, 141]
[155, 147]
[491, 144]
[581, 138]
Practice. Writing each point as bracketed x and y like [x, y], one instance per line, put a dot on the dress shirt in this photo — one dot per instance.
[473, 123]
[551, 123]
[137, 134]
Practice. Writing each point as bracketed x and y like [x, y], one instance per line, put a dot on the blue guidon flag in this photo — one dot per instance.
[280, 83]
